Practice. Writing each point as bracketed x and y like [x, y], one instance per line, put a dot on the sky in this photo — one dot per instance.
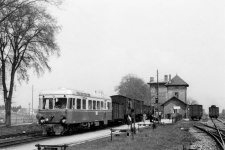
[101, 41]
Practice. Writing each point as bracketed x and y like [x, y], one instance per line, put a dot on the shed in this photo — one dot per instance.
[174, 105]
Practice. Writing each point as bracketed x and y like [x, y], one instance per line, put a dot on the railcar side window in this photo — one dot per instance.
[108, 105]
[74, 104]
[102, 107]
[70, 102]
[78, 103]
[98, 105]
[90, 104]
[94, 105]
[84, 103]
[47, 103]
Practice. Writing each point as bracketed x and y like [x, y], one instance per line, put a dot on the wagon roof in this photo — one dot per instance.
[173, 98]
[124, 97]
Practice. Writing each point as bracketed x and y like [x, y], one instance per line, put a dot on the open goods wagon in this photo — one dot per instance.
[195, 112]
[213, 112]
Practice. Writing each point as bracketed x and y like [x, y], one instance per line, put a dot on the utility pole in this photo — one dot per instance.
[32, 103]
[29, 109]
[158, 94]
[32, 100]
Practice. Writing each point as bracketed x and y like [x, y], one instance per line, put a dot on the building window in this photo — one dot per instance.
[176, 94]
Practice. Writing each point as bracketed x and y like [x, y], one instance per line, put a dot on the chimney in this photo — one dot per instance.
[169, 78]
[166, 78]
[151, 79]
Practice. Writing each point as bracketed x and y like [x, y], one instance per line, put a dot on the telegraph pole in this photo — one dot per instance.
[32, 99]
[157, 100]
[32, 103]
[29, 109]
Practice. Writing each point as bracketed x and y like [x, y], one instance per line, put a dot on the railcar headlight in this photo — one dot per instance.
[42, 120]
[46, 119]
[63, 120]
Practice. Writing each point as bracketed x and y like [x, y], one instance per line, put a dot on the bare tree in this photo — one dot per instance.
[27, 40]
[191, 101]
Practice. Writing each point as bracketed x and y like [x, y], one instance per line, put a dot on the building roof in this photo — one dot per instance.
[173, 98]
[176, 81]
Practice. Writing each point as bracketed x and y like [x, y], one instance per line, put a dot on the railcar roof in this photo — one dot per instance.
[64, 91]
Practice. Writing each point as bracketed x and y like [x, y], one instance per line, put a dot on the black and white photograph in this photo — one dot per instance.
[112, 75]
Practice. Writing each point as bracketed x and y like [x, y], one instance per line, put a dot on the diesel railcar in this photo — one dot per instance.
[195, 112]
[213, 112]
[65, 110]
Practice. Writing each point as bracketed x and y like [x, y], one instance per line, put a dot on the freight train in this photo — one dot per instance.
[213, 112]
[65, 110]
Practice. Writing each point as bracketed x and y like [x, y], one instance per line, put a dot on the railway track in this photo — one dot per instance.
[216, 129]
[20, 139]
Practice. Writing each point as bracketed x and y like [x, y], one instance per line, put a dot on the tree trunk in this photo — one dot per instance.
[8, 99]
[8, 112]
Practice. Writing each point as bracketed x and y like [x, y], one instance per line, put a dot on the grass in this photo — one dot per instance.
[164, 137]
[19, 129]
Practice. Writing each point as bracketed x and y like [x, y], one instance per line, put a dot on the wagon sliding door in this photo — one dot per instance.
[115, 111]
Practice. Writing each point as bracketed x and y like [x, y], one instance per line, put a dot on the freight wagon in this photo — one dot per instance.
[213, 112]
[195, 112]
[127, 105]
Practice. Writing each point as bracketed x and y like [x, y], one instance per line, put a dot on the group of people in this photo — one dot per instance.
[144, 117]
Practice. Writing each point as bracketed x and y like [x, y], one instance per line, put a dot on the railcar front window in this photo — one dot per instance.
[60, 103]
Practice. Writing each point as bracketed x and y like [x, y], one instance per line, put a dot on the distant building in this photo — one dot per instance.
[172, 95]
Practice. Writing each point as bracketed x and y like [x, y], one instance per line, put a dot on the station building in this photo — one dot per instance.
[172, 95]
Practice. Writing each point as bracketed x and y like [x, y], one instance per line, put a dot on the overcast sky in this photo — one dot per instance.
[101, 41]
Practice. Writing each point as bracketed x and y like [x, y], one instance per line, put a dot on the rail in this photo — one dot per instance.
[212, 135]
[219, 132]
[52, 147]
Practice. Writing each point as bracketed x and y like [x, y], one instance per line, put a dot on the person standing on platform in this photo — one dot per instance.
[128, 121]
[150, 117]
[144, 118]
